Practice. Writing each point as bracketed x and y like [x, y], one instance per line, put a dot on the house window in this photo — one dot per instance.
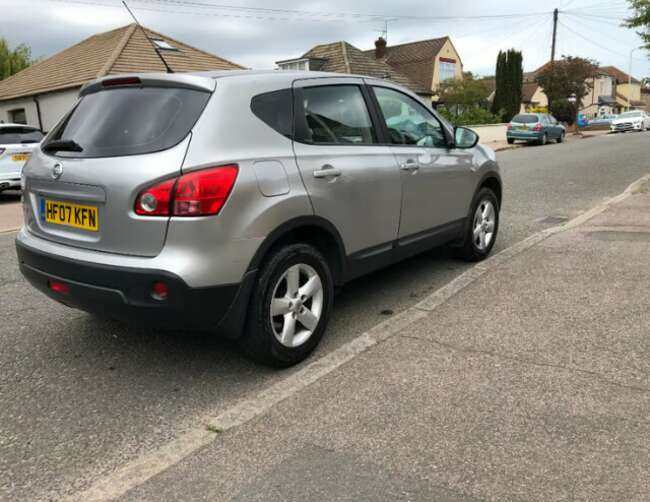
[297, 65]
[18, 116]
[447, 69]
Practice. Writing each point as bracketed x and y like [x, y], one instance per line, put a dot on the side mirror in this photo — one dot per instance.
[465, 138]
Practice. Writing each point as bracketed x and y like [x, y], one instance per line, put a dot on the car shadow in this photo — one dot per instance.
[9, 196]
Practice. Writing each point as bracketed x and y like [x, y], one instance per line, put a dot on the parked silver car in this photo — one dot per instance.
[17, 141]
[237, 201]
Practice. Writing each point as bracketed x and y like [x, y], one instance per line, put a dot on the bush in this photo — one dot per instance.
[564, 111]
[470, 116]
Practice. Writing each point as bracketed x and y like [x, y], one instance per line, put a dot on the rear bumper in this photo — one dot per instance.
[125, 293]
[9, 182]
[525, 136]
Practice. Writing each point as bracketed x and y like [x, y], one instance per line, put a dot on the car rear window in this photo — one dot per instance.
[130, 121]
[525, 119]
[15, 135]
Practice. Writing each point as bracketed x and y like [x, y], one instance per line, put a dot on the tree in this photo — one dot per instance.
[640, 19]
[509, 83]
[13, 60]
[459, 95]
[566, 83]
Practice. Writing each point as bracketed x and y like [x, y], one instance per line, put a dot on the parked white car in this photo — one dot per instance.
[635, 120]
[17, 142]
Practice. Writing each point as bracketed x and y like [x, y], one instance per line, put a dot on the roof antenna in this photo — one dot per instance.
[155, 48]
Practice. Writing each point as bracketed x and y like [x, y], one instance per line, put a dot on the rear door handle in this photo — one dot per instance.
[410, 165]
[327, 171]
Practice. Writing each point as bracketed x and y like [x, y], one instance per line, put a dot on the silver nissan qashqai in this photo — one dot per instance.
[237, 201]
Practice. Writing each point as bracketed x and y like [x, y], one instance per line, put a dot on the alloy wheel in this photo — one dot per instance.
[484, 225]
[296, 305]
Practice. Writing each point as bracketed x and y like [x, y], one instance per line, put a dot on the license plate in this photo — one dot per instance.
[20, 157]
[522, 128]
[69, 214]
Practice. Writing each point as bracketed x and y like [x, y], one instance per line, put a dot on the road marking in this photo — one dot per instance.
[140, 470]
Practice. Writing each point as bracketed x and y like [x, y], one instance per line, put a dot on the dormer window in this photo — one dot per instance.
[447, 69]
[164, 45]
[294, 65]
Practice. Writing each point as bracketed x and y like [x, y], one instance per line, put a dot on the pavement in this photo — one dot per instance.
[529, 383]
[81, 398]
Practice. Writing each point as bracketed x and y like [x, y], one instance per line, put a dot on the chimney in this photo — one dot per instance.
[380, 48]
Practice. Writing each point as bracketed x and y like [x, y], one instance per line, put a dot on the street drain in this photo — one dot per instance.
[554, 220]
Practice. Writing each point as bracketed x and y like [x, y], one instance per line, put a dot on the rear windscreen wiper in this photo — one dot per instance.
[67, 145]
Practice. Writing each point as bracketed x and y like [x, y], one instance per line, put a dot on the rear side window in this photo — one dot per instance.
[337, 114]
[130, 121]
[14, 135]
[525, 119]
[275, 109]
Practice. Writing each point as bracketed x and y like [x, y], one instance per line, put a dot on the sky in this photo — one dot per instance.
[255, 33]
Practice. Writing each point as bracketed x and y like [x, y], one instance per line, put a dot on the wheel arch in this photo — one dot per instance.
[312, 230]
[492, 180]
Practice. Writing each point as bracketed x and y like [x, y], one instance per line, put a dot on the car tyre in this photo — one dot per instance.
[560, 139]
[544, 139]
[481, 221]
[284, 288]
[511, 141]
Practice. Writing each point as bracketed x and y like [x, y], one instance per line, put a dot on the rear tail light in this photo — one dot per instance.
[509, 127]
[537, 128]
[199, 193]
[155, 200]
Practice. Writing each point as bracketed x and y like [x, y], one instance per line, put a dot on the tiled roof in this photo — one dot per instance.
[123, 50]
[528, 90]
[342, 57]
[620, 76]
[414, 59]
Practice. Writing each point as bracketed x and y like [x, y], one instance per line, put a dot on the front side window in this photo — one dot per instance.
[409, 122]
[130, 121]
[337, 114]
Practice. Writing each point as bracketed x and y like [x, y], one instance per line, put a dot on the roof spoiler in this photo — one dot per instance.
[174, 81]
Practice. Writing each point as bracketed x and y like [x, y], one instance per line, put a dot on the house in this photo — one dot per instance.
[608, 93]
[628, 90]
[645, 97]
[426, 62]
[533, 97]
[42, 93]
[421, 66]
[343, 57]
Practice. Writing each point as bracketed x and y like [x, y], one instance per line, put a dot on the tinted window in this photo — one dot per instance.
[337, 114]
[275, 109]
[14, 135]
[409, 122]
[130, 121]
[525, 119]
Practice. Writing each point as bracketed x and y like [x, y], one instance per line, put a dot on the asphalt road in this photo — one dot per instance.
[80, 396]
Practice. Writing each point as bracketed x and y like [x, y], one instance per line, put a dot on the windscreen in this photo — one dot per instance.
[629, 115]
[525, 119]
[130, 121]
[15, 135]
